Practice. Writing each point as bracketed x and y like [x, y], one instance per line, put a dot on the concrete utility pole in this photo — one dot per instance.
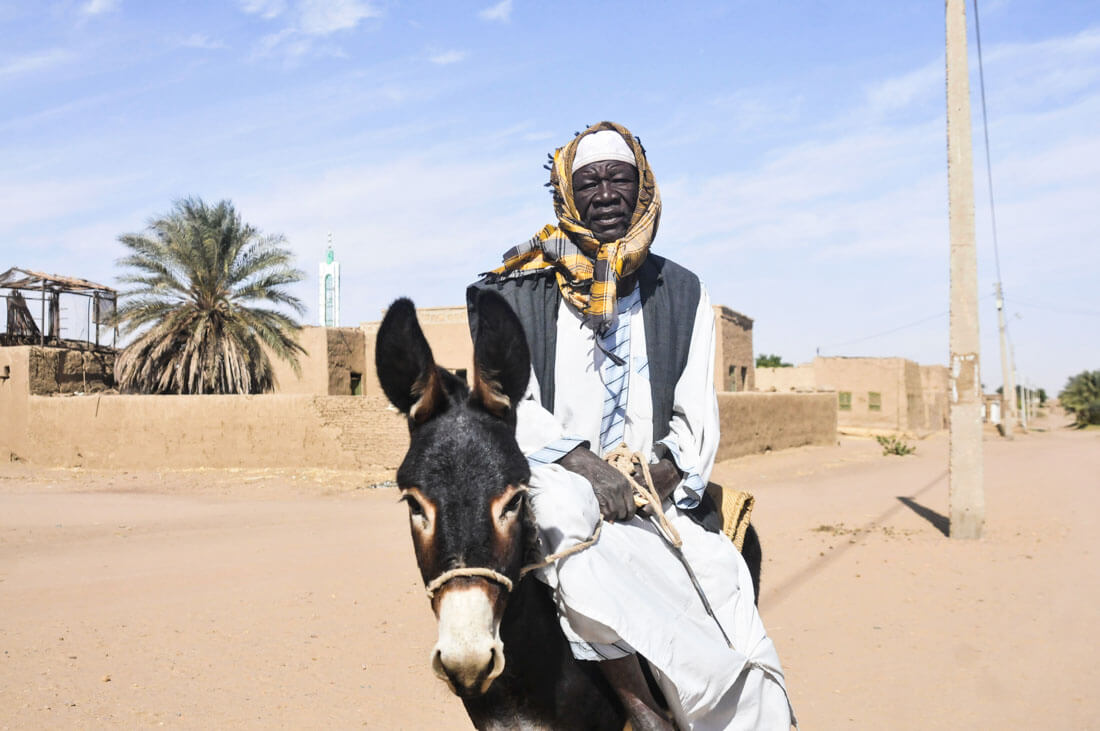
[1008, 378]
[967, 497]
[1025, 400]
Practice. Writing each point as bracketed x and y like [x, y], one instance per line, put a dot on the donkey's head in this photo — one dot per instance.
[464, 480]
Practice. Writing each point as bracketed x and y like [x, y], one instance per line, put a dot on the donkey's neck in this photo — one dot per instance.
[543, 685]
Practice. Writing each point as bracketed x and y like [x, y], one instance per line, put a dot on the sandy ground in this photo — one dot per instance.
[214, 599]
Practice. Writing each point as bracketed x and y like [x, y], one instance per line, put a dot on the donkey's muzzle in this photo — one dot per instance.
[469, 654]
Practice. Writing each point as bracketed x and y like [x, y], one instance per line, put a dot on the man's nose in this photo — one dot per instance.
[605, 193]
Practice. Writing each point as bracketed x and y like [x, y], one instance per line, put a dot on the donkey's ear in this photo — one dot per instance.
[406, 368]
[502, 361]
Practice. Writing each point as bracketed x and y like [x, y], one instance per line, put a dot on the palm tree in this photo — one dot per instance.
[1081, 397]
[200, 277]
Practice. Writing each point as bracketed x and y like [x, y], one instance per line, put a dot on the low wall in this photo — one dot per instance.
[298, 431]
[754, 422]
[113, 431]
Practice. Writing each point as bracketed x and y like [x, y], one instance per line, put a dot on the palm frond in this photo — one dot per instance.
[191, 273]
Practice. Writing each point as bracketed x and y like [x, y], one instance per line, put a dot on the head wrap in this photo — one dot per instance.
[588, 270]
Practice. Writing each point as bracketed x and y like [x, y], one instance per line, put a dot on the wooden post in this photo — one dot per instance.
[967, 498]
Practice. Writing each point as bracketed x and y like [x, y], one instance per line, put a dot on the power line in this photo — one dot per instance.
[985, 131]
[893, 330]
[1008, 355]
[886, 332]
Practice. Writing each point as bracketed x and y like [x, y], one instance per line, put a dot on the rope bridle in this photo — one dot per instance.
[493, 575]
[621, 459]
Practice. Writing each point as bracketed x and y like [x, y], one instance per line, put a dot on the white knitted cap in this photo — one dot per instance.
[607, 144]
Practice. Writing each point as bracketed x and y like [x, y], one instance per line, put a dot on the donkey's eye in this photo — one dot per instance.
[513, 505]
[415, 508]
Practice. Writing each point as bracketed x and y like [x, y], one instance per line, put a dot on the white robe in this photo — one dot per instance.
[629, 590]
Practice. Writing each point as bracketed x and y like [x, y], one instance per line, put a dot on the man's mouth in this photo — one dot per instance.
[608, 221]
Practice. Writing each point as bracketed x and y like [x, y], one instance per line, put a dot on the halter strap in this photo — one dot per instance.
[437, 583]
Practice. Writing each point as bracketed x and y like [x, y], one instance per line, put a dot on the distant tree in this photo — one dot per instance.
[1081, 397]
[200, 279]
[1040, 392]
[770, 361]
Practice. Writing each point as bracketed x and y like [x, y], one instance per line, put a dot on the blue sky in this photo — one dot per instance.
[799, 146]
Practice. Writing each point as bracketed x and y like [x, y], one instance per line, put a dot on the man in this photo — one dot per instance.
[622, 345]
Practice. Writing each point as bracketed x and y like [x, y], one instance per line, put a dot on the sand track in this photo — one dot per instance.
[214, 599]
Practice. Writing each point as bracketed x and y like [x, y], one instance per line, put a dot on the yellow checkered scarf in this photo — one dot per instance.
[588, 270]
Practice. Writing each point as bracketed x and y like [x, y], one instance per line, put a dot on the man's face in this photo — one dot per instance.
[605, 194]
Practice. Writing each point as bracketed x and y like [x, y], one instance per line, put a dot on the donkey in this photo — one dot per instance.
[500, 647]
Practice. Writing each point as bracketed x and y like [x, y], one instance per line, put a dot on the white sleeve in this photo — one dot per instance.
[538, 432]
[694, 430]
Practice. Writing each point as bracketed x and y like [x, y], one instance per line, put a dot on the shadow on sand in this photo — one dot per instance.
[777, 594]
[939, 522]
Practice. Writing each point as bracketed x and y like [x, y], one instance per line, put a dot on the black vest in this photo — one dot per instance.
[670, 297]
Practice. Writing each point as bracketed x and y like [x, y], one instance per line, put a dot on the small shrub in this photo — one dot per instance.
[893, 445]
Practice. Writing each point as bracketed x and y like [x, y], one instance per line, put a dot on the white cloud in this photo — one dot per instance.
[201, 41]
[98, 7]
[266, 9]
[389, 219]
[857, 214]
[309, 22]
[321, 17]
[448, 57]
[501, 12]
[915, 87]
[34, 62]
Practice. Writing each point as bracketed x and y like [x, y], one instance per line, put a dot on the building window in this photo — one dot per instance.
[874, 401]
[845, 400]
[731, 381]
[356, 384]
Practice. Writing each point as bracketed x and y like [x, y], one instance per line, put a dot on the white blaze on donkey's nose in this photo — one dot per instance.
[469, 654]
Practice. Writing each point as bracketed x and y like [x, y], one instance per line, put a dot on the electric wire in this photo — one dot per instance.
[989, 181]
[892, 330]
[985, 133]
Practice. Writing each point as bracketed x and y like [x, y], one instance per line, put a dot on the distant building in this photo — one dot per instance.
[872, 393]
[334, 363]
[733, 360]
[329, 286]
[448, 333]
[55, 334]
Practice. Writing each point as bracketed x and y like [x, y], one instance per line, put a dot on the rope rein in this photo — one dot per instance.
[622, 459]
[555, 557]
[645, 494]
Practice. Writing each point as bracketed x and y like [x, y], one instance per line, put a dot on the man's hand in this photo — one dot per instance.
[666, 475]
[613, 490]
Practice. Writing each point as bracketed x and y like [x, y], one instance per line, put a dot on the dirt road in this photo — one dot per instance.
[214, 599]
